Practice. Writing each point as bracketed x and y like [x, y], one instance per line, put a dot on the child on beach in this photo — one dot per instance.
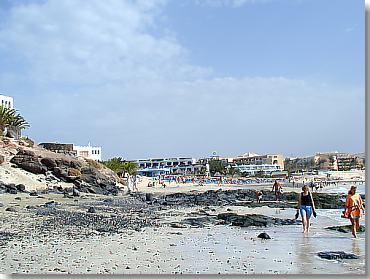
[354, 209]
[259, 196]
[306, 207]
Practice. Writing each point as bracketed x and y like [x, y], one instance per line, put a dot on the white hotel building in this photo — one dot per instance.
[6, 101]
[266, 169]
[154, 167]
[88, 152]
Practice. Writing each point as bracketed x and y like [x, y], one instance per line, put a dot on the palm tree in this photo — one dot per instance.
[11, 120]
[115, 164]
[130, 167]
[121, 167]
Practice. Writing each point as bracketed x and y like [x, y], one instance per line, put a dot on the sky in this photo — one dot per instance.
[165, 78]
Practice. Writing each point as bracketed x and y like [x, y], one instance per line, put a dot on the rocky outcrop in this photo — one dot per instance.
[68, 169]
[247, 197]
[346, 229]
[28, 161]
[93, 181]
[335, 255]
[254, 220]
[49, 163]
[11, 188]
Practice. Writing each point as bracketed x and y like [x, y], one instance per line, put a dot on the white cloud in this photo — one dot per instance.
[93, 42]
[92, 71]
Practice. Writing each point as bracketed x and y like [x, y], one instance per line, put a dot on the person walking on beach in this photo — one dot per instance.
[354, 209]
[277, 189]
[306, 207]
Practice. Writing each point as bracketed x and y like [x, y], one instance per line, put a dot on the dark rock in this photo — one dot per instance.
[243, 197]
[33, 167]
[108, 200]
[334, 255]
[264, 236]
[149, 197]
[75, 164]
[24, 152]
[91, 210]
[33, 194]
[11, 209]
[21, 187]
[346, 228]
[60, 173]
[2, 159]
[63, 163]
[98, 182]
[1, 204]
[13, 191]
[9, 188]
[18, 198]
[254, 220]
[178, 226]
[49, 163]
[50, 204]
[28, 161]
[31, 207]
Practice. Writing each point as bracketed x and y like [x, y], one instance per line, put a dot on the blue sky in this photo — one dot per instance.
[157, 78]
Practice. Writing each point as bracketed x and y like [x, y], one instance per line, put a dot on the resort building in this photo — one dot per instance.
[6, 101]
[301, 164]
[253, 159]
[263, 169]
[348, 162]
[88, 152]
[159, 166]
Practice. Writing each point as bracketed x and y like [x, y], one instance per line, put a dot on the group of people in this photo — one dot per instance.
[183, 179]
[354, 208]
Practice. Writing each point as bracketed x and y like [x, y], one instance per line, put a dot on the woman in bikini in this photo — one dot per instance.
[306, 207]
[354, 209]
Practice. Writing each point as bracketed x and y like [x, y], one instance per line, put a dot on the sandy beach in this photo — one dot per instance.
[143, 241]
